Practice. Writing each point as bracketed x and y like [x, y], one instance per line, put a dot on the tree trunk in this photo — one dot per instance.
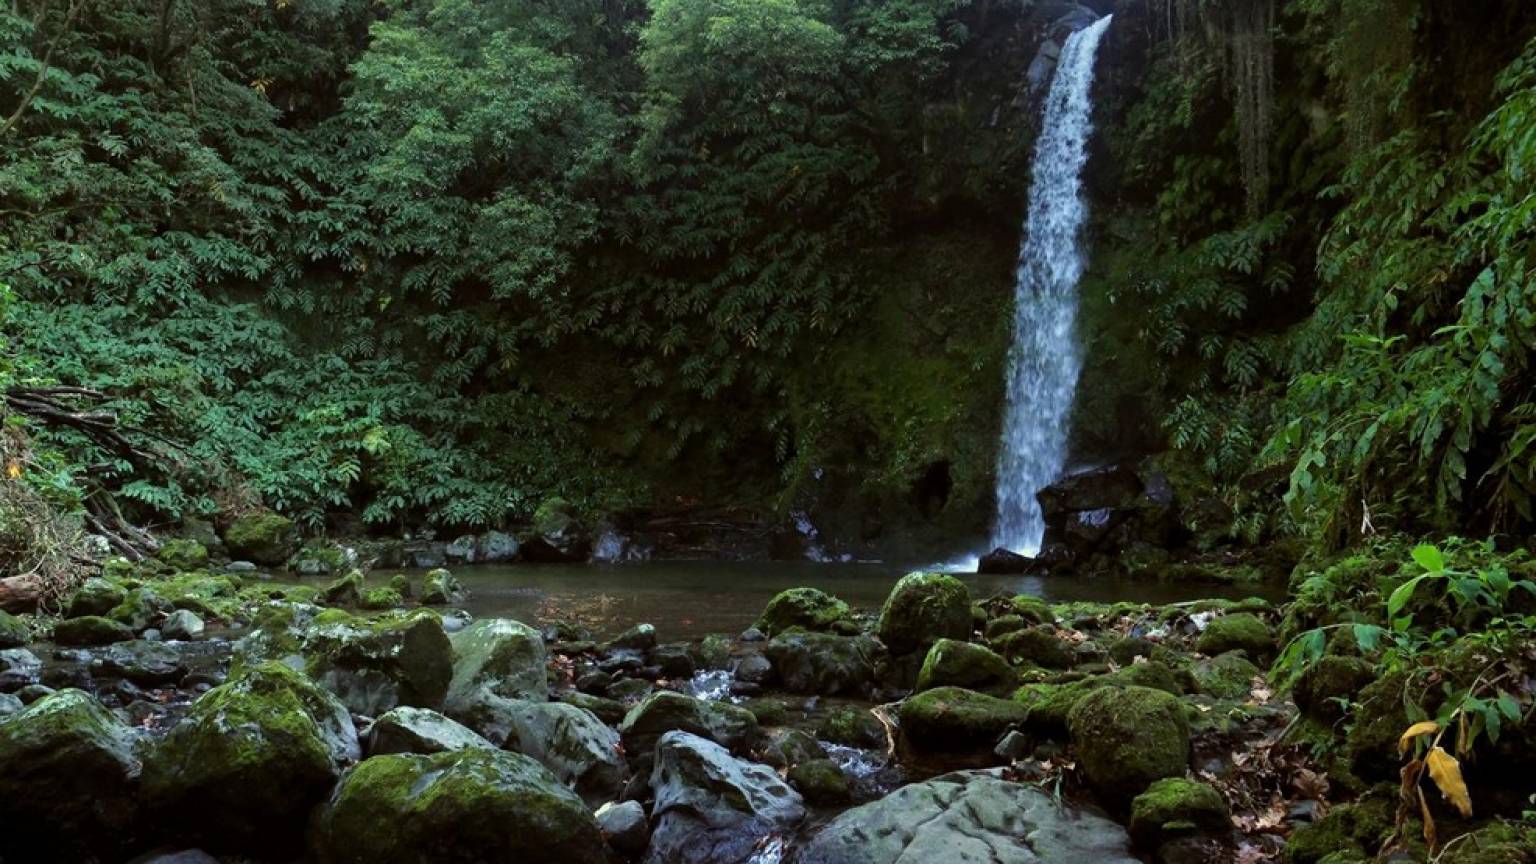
[21, 593]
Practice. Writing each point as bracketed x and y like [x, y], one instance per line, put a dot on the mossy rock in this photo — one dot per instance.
[183, 554]
[1126, 649]
[97, 596]
[768, 710]
[823, 663]
[499, 657]
[1037, 645]
[554, 516]
[202, 593]
[852, 726]
[1371, 745]
[922, 609]
[578, 749]
[1032, 609]
[140, 608]
[466, 805]
[610, 711]
[1358, 828]
[1126, 739]
[420, 730]
[68, 771]
[381, 598]
[345, 590]
[821, 783]
[1003, 625]
[1498, 843]
[806, 608]
[1329, 684]
[263, 537]
[14, 632]
[728, 725]
[955, 720]
[1225, 676]
[400, 584]
[1175, 807]
[321, 558]
[1241, 631]
[90, 630]
[1047, 705]
[253, 755]
[440, 588]
[961, 664]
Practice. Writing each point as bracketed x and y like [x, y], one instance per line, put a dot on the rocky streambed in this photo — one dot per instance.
[217, 717]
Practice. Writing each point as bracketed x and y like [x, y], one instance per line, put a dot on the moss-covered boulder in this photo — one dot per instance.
[852, 726]
[821, 783]
[1241, 631]
[97, 596]
[1380, 718]
[1175, 807]
[823, 663]
[1359, 828]
[140, 608]
[380, 598]
[1496, 843]
[581, 751]
[465, 805]
[712, 808]
[961, 664]
[1003, 625]
[610, 711]
[1038, 646]
[14, 632]
[263, 537]
[1126, 739]
[420, 730]
[202, 593]
[90, 630]
[806, 608]
[183, 554]
[344, 590]
[440, 588]
[68, 778]
[1225, 676]
[956, 720]
[494, 659]
[322, 557]
[1331, 683]
[253, 755]
[1032, 609]
[922, 609]
[727, 725]
[144, 663]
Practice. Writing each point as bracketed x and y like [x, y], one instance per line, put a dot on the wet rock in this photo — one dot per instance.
[1241, 631]
[1013, 746]
[852, 726]
[575, 746]
[18, 668]
[821, 783]
[660, 713]
[465, 805]
[1126, 649]
[68, 774]
[752, 634]
[253, 755]
[140, 608]
[440, 588]
[322, 558]
[1003, 625]
[182, 625]
[263, 537]
[610, 711]
[1176, 807]
[630, 689]
[823, 663]
[10, 705]
[806, 608]
[954, 720]
[97, 596]
[463, 550]
[1094, 489]
[965, 817]
[90, 630]
[1225, 676]
[14, 631]
[789, 747]
[1002, 561]
[922, 609]
[495, 547]
[754, 669]
[675, 660]
[1036, 645]
[144, 663]
[712, 808]
[558, 537]
[425, 555]
[346, 590]
[1331, 679]
[1128, 738]
[420, 730]
[641, 638]
[380, 598]
[624, 827]
[960, 664]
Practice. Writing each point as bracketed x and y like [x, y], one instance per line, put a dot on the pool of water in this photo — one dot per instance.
[687, 599]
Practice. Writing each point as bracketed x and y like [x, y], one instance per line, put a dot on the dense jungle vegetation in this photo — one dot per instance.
[429, 263]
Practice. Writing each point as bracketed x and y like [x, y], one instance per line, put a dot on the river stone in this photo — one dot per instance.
[610, 711]
[440, 588]
[1127, 738]
[660, 713]
[144, 663]
[462, 550]
[823, 663]
[420, 730]
[14, 632]
[97, 596]
[10, 705]
[140, 609]
[1175, 807]
[961, 664]
[495, 547]
[263, 537]
[466, 805]
[495, 656]
[969, 817]
[1225, 676]
[711, 808]
[789, 747]
[90, 630]
[1239, 631]
[806, 608]
[253, 755]
[67, 780]
[641, 637]
[954, 720]
[182, 625]
[575, 746]
[18, 668]
[922, 609]
[624, 827]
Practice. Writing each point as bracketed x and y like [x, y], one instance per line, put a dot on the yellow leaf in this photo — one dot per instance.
[1424, 727]
[13, 470]
[1446, 772]
[1429, 822]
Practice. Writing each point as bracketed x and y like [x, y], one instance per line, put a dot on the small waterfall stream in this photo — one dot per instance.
[1043, 362]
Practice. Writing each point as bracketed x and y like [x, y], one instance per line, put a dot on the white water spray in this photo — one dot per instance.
[1043, 363]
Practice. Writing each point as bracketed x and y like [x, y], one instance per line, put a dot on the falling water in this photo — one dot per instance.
[1043, 362]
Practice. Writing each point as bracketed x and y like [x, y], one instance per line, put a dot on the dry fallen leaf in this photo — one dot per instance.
[1446, 772]
[1424, 727]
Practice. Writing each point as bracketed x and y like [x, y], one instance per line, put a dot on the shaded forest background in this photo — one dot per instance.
[427, 263]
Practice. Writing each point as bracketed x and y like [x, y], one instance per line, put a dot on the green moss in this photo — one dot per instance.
[439, 587]
[1036, 645]
[1175, 807]
[90, 630]
[344, 591]
[380, 598]
[1241, 631]
[553, 516]
[1331, 683]
[807, 608]
[400, 584]
[952, 719]
[183, 554]
[1358, 828]
[97, 596]
[1225, 676]
[821, 782]
[1498, 843]
[962, 664]
[1003, 625]
[852, 726]
[768, 710]
[923, 608]
[263, 537]
[1032, 609]
[14, 632]
[1127, 738]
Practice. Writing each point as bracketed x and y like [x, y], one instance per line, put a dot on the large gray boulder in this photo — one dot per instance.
[969, 817]
[68, 776]
[253, 755]
[466, 805]
[712, 808]
[420, 730]
[823, 663]
[575, 746]
[498, 656]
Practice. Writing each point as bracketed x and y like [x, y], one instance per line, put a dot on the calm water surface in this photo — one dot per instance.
[687, 599]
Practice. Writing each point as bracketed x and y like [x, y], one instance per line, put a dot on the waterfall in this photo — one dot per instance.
[1043, 362]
